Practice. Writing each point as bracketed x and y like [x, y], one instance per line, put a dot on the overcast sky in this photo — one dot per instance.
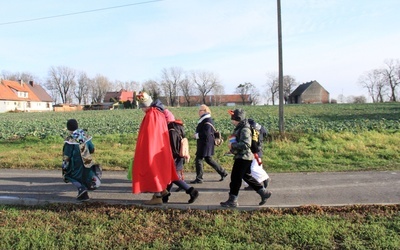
[331, 41]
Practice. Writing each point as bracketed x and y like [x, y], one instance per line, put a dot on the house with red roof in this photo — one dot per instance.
[119, 96]
[25, 97]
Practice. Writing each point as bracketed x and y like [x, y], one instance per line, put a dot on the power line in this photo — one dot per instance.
[78, 13]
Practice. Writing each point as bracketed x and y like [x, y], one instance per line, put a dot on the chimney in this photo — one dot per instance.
[21, 82]
[31, 83]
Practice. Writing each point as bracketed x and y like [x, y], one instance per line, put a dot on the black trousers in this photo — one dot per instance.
[241, 170]
[199, 166]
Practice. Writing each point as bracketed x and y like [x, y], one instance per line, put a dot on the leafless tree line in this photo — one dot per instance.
[67, 85]
[272, 87]
[175, 82]
[382, 84]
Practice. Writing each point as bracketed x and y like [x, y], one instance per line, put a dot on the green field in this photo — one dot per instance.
[298, 119]
[318, 138]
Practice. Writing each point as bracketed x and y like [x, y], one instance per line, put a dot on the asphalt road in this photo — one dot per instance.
[35, 187]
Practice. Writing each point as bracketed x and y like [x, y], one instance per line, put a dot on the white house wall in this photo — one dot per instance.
[40, 107]
[6, 106]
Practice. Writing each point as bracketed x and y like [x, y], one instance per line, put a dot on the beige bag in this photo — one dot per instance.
[218, 140]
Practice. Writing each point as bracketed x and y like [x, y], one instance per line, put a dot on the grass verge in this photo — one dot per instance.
[328, 151]
[101, 226]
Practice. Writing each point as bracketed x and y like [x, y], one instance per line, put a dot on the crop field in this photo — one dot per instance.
[298, 119]
[342, 137]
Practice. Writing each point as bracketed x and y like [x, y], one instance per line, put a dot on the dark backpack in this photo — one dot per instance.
[255, 140]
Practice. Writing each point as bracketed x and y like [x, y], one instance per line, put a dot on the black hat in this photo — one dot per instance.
[238, 115]
[72, 125]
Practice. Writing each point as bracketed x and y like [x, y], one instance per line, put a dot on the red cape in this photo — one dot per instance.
[153, 165]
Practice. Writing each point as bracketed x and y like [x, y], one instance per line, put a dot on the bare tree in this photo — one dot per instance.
[360, 99]
[152, 88]
[350, 99]
[205, 82]
[255, 96]
[374, 82]
[61, 80]
[218, 92]
[171, 80]
[128, 85]
[100, 85]
[82, 88]
[391, 72]
[187, 89]
[244, 91]
[272, 87]
[289, 84]
[24, 76]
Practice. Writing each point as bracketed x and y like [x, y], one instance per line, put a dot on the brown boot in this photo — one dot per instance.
[155, 200]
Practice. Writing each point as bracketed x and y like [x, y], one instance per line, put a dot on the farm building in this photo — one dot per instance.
[309, 92]
[25, 97]
[119, 96]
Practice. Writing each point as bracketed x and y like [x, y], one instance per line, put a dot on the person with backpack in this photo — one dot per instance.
[257, 170]
[240, 146]
[78, 166]
[205, 145]
[177, 136]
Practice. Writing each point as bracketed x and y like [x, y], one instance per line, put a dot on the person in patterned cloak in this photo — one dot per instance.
[78, 166]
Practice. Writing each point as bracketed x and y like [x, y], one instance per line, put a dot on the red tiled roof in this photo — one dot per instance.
[40, 92]
[121, 95]
[126, 95]
[7, 92]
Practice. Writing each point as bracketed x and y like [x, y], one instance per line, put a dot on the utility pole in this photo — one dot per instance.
[281, 117]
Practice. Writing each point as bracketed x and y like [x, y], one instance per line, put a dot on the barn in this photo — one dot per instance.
[309, 92]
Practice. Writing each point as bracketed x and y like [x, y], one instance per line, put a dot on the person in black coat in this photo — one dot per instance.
[205, 145]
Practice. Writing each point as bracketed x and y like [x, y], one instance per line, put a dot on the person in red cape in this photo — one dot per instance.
[153, 166]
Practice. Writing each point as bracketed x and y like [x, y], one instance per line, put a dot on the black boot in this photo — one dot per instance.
[165, 194]
[231, 202]
[82, 194]
[266, 182]
[193, 194]
[165, 198]
[265, 194]
[223, 176]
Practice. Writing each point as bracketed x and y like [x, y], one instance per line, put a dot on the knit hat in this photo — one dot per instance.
[72, 125]
[144, 100]
[169, 116]
[237, 115]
